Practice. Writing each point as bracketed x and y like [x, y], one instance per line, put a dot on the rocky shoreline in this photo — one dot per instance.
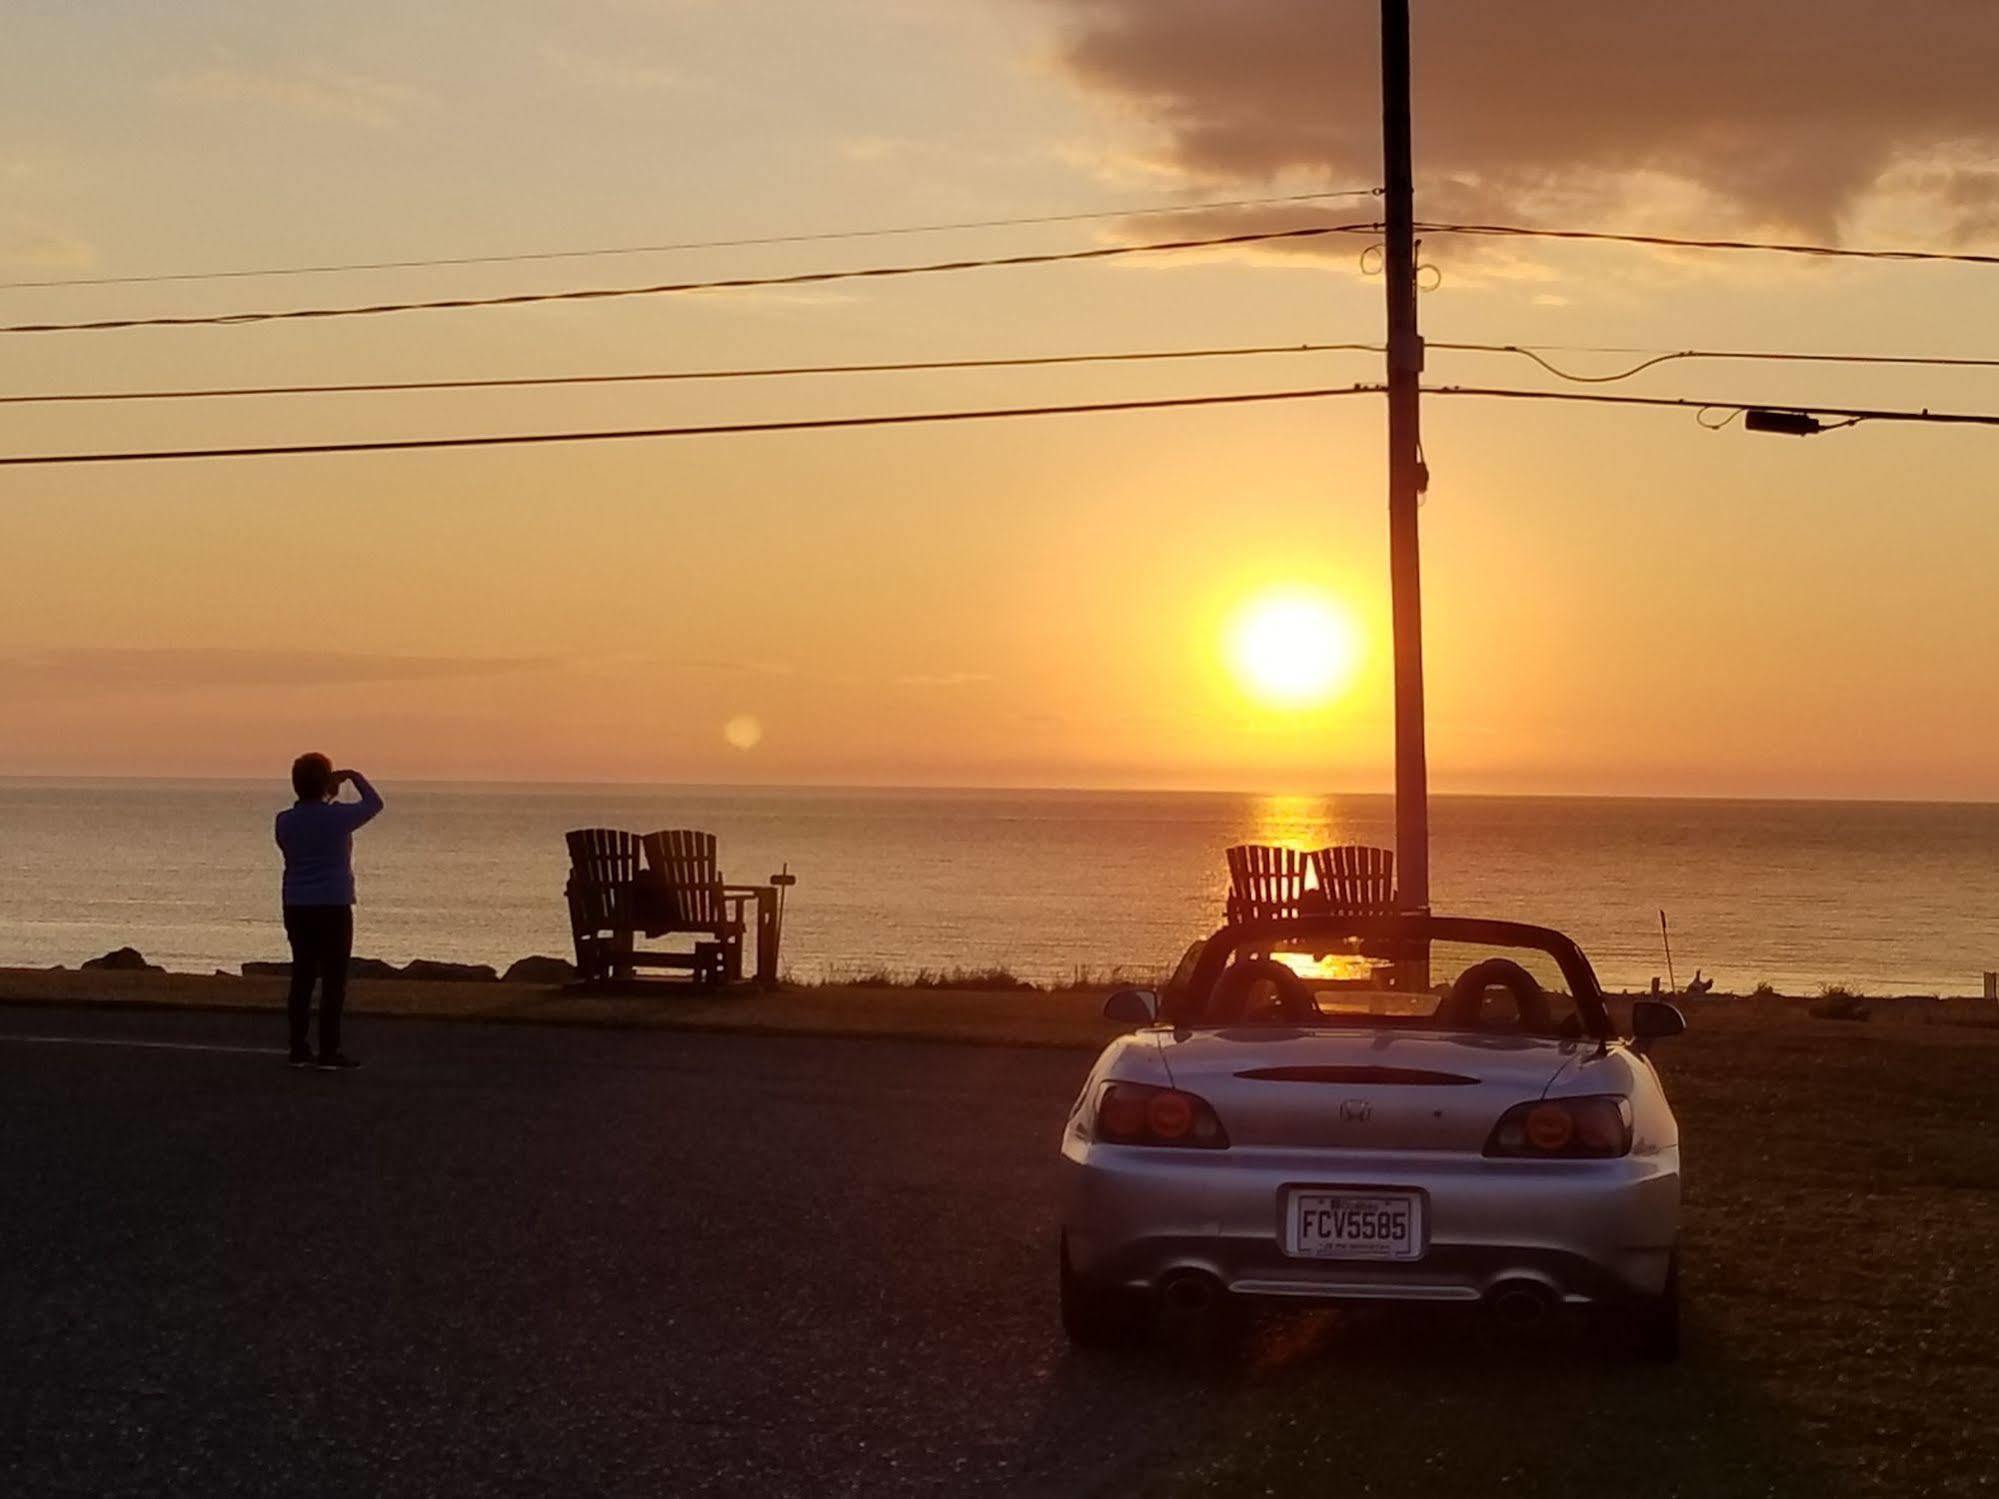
[537, 969]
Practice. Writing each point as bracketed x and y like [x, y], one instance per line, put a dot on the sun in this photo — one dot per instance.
[1293, 649]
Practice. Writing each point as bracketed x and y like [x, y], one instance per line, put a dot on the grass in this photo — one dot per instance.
[1838, 1002]
[993, 979]
[1083, 978]
[1842, 1227]
[941, 1012]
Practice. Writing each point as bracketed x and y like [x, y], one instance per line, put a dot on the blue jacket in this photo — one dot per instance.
[318, 843]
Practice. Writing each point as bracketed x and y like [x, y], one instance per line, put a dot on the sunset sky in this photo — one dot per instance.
[1618, 602]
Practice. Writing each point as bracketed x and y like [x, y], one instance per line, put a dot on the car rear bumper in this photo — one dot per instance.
[1582, 1231]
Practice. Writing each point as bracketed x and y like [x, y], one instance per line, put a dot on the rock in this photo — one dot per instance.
[124, 960]
[267, 970]
[540, 970]
[430, 971]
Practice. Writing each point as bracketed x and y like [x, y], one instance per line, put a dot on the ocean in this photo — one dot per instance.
[1886, 897]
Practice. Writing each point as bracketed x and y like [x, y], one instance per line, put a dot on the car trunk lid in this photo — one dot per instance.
[1369, 1090]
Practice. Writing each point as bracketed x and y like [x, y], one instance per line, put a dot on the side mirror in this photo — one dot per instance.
[1132, 1007]
[1655, 1020]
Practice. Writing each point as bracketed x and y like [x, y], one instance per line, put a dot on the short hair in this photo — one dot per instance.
[311, 775]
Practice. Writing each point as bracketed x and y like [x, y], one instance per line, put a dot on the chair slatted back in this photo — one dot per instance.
[1265, 883]
[1356, 880]
[685, 860]
[603, 863]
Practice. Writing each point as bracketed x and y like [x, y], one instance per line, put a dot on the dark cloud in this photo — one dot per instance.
[93, 673]
[1779, 112]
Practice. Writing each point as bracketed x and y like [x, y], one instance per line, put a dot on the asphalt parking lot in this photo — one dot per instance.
[524, 1260]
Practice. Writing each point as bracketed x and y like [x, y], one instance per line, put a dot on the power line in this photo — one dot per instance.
[1516, 231]
[1535, 352]
[801, 278]
[1657, 357]
[583, 294]
[525, 381]
[698, 244]
[1849, 415]
[512, 439]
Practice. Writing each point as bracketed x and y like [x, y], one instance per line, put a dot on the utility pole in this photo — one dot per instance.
[1407, 477]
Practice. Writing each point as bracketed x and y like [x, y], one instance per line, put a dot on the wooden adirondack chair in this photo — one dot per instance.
[1356, 880]
[1265, 883]
[621, 885]
[683, 861]
[603, 870]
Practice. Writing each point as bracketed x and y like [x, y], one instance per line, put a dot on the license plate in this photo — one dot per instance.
[1354, 1225]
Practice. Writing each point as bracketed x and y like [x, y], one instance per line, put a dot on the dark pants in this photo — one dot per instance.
[322, 939]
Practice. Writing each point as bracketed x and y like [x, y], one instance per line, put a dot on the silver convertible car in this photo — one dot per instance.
[1390, 1108]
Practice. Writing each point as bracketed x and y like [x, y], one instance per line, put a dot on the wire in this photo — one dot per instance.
[1851, 417]
[801, 278]
[713, 430]
[1516, 231]
[1854, 415]
[1022, 362]
[1557, 370]
[1536, 352]
[699, 244]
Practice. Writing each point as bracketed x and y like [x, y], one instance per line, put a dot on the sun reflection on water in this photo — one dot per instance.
[1297, 822]
[1346, 967]
[1308, 822]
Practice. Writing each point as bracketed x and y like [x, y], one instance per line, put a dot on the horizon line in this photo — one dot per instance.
[1386, 794]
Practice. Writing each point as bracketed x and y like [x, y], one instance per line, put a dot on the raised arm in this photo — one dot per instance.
[370, 803]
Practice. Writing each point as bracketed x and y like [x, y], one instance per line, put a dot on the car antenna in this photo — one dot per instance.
[1667, 938]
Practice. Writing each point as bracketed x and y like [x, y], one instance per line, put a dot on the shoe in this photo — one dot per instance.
[338, 1062]
[300, 1059]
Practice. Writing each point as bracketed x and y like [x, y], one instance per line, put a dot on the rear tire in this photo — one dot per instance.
[1100, 1317]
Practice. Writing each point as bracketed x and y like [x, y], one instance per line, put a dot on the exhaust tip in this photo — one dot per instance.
[1521, 1305]
[1190, 1293]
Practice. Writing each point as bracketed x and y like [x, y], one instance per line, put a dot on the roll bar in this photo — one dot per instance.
[1391, 932]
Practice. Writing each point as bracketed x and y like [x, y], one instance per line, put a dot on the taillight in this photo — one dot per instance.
[1140, 1114]
[1564, 1129]
[1549, 1128]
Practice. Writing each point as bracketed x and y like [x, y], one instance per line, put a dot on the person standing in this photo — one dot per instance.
[316, 836]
